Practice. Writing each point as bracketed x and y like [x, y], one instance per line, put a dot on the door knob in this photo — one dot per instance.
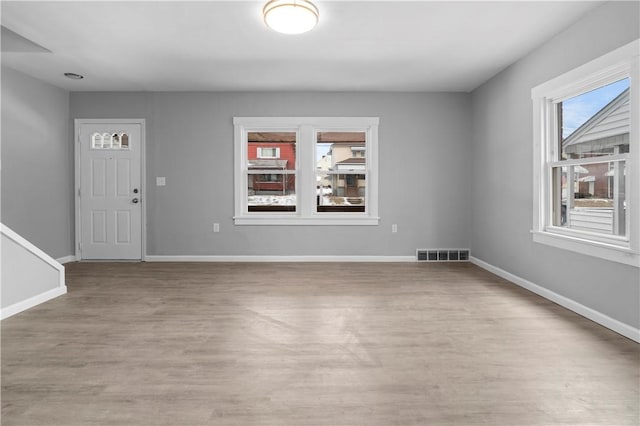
[135, 201]
[135, 190]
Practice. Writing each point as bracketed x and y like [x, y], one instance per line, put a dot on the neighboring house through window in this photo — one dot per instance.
[306, 170]
[587, 157]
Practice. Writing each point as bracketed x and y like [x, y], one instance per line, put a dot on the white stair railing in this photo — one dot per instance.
[28, 276]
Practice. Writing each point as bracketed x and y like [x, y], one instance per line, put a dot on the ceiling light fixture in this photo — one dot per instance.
[73, 76]
[290, 16]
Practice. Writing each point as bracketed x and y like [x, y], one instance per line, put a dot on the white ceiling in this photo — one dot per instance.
[224, 45]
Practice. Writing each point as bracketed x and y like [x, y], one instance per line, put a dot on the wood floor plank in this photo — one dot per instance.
[310, 344]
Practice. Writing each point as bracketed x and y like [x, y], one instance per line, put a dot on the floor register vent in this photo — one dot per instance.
[442, 255]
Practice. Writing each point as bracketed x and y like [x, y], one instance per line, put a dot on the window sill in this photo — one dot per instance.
[600, 250]
[289, 220]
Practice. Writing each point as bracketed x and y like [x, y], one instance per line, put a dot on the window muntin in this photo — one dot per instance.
[110, 141]
[267, 192]
[586, 191]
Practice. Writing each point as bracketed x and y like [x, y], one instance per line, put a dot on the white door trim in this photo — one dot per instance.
[78, 123]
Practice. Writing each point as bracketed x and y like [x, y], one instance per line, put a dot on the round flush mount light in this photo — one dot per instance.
[290, 16]
[73, 76]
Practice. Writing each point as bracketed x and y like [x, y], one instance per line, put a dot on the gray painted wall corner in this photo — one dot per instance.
[502, 151]
[37, 162]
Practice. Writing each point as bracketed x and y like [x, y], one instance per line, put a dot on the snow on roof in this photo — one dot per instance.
[267, 164]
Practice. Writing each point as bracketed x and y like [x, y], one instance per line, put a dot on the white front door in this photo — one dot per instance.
[110, 192]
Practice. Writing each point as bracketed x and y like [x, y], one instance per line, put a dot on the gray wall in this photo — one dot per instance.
[37, 163]
[455, 170]
[502, 168]
[424, 170]
[24, 275]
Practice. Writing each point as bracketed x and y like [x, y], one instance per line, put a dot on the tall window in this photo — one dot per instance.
[587, 156]
[271, 171]
[341, 181]
[588, 177]
[306, 170]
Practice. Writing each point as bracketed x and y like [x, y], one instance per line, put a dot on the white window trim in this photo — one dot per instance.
[306, 128]
[261, 154]
[620, 63]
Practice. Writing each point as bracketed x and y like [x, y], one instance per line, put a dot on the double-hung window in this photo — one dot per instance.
[306, 170]
[587, 158]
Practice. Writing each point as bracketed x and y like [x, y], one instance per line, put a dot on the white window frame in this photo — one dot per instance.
[262, 155]
[616, 65]
[306, 129]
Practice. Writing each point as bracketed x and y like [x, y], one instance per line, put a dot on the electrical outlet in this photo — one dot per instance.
[216, 227]
[161, 181]
[394, 228]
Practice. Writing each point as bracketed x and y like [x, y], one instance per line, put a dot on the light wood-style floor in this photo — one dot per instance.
[310, 344]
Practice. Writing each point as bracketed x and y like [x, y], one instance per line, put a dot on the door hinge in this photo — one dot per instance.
[78, 192]
[79, 246]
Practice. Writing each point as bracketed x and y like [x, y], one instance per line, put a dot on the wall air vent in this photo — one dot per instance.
[442, 255]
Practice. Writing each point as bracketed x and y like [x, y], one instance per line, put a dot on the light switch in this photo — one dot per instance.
[161, 181]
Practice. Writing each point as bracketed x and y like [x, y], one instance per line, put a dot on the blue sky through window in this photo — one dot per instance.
[577, 110]
[322, 149]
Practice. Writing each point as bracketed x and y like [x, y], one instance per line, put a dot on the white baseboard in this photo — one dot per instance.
[66, 259]
[587, 312]
[32, 301]
[280, 258]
